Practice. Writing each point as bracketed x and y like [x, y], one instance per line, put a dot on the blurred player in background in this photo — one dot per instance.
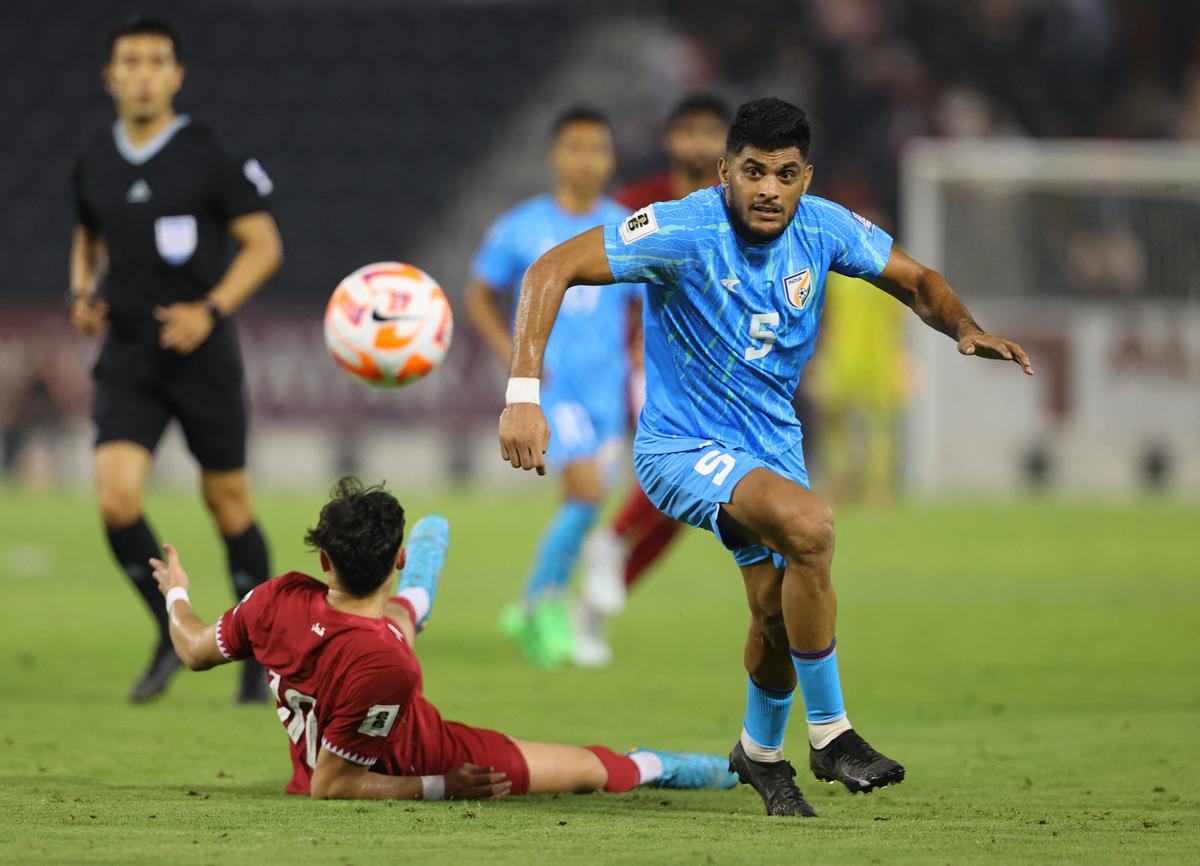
[861, 380]
[348, 683]
[693, 142]
[586, 365]
[616, 557]
[735, 285]
[156, 197]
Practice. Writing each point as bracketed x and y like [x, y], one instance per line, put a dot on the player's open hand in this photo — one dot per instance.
[169, 574]
[88, 314]
[184, 326]
[472, 782]
[996, 348]
[524, 435]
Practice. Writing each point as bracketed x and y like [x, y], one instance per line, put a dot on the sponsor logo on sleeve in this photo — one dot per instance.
[258, 176]
[864, 222]
[379, 720]
[798, 288]
[175, 237]
[639, 225]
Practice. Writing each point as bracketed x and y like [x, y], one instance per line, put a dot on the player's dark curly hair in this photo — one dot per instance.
[146, 25]
[360, 529]
[768, 124]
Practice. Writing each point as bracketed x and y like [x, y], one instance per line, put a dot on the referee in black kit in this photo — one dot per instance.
[156, 195]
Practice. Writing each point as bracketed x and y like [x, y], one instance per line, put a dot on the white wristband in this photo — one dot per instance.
[433, 787]
[523, 390]
[176, 593]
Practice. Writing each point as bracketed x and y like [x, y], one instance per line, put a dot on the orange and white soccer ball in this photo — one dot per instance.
[389, 324]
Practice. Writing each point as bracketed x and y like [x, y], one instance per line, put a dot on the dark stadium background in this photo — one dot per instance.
[400, 130]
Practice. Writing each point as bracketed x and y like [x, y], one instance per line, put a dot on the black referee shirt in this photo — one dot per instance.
[163, 211]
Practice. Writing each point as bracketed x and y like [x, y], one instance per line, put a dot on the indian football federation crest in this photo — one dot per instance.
[798, 288]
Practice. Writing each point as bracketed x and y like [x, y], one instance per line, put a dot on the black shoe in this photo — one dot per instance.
[849, 759]
[775, 783]
[253, 687]
[154, 681]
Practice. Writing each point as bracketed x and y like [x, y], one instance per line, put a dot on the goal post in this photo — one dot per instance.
[1087, 253]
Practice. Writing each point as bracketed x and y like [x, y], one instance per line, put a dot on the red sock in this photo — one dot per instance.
[623, 774]
[636, 516]
[650, 547]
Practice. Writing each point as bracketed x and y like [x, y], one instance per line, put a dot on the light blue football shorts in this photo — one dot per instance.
[692, 485]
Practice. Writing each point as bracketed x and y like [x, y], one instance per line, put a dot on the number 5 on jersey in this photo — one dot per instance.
[760, 329]
[716, 461]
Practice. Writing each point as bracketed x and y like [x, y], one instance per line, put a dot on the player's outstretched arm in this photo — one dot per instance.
[928, 294]
[582, 260]
[335, 778]
[195, 643]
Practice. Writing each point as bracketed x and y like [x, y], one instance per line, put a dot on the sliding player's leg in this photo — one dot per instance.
[417, 582]
[782, 514]
[556, 768]
[424, 558]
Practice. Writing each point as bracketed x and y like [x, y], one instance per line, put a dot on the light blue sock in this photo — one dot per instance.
[558, 550]
[820, 684]
[767, 712]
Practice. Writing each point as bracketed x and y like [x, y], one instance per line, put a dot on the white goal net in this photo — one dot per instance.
[1088, 253]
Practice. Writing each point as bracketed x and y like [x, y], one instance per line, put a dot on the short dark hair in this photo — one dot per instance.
[578, 114]
[768, 124]
[699, 103]
[146, 25]
[360, 529]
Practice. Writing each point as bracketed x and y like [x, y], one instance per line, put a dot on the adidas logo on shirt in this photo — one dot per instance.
[139, 192]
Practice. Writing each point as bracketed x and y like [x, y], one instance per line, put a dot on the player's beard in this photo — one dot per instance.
[741, 225]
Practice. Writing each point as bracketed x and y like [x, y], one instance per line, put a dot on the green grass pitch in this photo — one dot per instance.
[1035, 666]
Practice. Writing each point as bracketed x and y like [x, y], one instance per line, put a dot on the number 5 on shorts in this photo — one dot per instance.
[715, 461]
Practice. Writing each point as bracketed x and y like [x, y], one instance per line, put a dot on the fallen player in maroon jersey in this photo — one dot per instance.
[342, 668]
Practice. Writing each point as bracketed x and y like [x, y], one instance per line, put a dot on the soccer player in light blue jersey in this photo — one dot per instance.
[735, 285]
[586, 369]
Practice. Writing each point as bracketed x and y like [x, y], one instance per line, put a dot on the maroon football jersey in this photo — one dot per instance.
[349, 684]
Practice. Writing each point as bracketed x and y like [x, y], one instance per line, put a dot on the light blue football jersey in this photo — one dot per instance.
[587, 347]
[729, 325]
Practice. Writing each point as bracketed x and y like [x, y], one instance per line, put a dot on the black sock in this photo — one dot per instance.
[247, 557]
[132, 547]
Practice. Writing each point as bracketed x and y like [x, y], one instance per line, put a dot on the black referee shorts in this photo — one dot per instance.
[136, 398]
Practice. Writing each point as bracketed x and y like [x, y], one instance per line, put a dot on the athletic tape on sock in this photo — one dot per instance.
[418, 597]
[821, 735]
[755, 751]
[650, 766]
